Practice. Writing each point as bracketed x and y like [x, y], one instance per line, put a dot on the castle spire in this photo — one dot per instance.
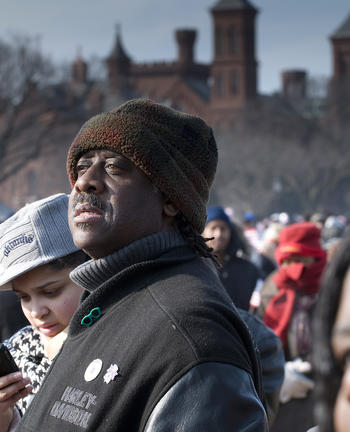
[343, 31]
[118, 51]
[118, 65]
[79, 68]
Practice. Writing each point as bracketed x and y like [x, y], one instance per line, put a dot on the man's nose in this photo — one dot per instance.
[92, 180]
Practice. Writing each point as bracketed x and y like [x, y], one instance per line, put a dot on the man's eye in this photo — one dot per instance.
[81, 168]
[112, 168]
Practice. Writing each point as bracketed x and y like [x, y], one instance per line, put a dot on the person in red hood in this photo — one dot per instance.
[287, 301]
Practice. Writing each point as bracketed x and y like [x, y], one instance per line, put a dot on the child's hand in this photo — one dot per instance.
[13, 387]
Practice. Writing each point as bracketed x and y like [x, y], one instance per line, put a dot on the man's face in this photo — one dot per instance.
[112, 204]
[221, 232]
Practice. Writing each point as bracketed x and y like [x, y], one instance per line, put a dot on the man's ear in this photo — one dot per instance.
[170, 209]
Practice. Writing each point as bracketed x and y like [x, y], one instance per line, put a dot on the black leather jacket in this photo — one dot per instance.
[208, 398]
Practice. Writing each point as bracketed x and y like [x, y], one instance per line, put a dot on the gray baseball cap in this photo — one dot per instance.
[35, 235]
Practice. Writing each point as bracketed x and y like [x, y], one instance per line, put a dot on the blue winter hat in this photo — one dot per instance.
[217, 212]
[249, 217]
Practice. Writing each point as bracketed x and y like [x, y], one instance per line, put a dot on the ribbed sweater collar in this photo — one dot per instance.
[93, 273]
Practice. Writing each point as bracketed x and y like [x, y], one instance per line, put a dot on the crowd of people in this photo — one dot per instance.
[132, 305]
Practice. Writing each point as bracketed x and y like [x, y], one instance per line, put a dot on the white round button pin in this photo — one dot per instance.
[93, 370]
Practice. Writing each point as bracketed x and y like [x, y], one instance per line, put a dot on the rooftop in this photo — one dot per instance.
[232, 5]
[343, 31]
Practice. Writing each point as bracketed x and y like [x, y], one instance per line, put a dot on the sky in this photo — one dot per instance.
[290, 34]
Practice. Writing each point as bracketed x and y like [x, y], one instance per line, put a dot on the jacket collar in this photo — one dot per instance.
[93, 273]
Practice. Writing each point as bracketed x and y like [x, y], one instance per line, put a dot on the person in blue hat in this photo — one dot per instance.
[239, 276]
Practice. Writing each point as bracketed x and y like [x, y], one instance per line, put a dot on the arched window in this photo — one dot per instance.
[219, 41]
[232, 40]
[343, 67]
[219, 84]
[234, 82]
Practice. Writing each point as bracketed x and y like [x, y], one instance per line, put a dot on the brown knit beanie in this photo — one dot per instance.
[176, 151]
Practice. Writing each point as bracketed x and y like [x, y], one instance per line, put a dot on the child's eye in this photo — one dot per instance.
[23, 297]
[51, 292]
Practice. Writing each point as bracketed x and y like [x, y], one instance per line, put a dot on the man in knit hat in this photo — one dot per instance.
[155, 344]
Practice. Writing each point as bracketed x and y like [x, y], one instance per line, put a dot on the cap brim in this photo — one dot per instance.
[16, 270]
[6, 287]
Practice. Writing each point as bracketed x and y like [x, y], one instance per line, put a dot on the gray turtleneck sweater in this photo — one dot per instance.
[163, 350]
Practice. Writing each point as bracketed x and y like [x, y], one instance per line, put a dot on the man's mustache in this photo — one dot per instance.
[84, 198]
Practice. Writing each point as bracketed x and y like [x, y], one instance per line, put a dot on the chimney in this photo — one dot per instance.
[294, 84]
[185, 42]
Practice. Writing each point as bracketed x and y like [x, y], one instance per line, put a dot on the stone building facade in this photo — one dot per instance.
[212, 91]
[216, 92]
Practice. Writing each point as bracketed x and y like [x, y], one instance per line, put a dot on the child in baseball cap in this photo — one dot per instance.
[37, 254]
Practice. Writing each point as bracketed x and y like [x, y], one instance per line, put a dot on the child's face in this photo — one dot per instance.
[48, 298]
